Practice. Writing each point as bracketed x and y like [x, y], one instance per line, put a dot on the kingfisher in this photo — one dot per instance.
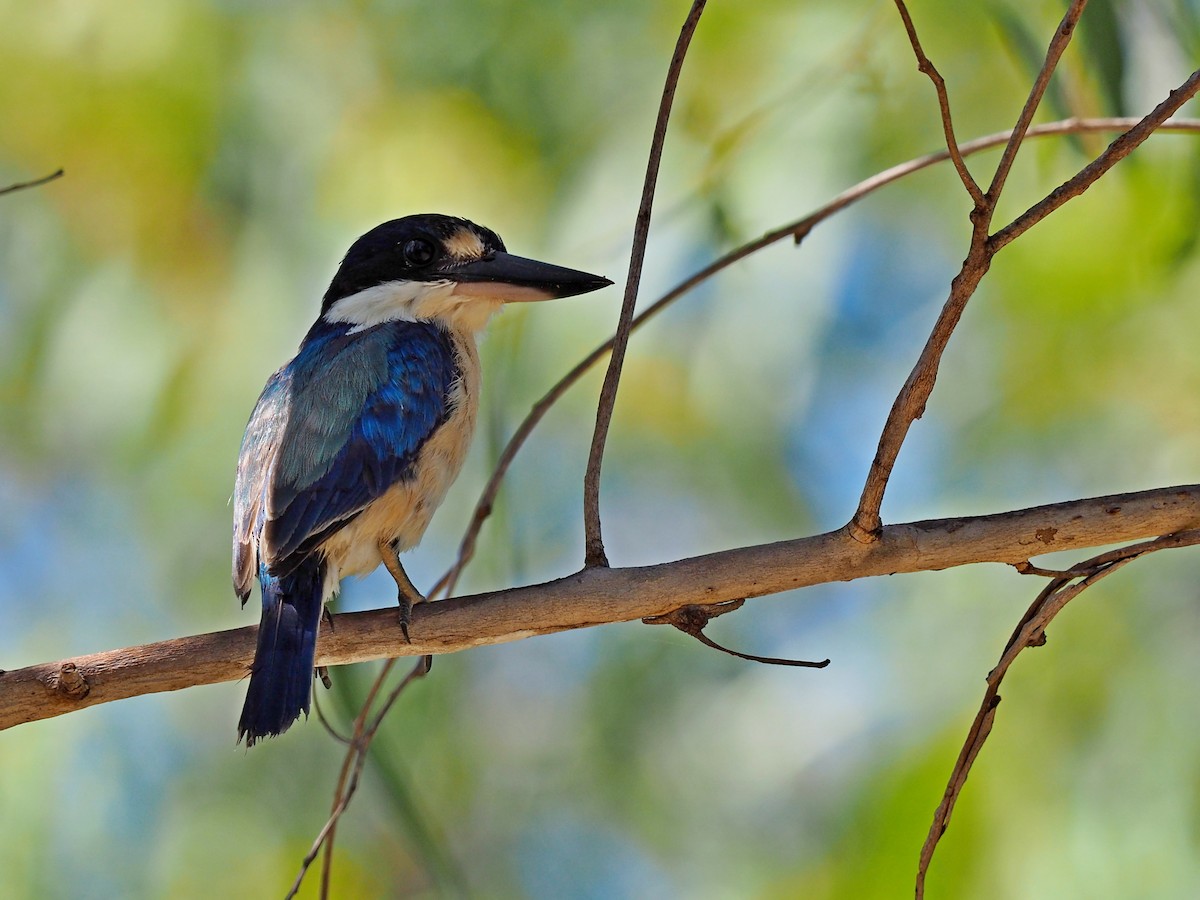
[354, 442]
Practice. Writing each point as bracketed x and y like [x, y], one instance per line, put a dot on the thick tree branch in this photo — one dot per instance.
[601, 595]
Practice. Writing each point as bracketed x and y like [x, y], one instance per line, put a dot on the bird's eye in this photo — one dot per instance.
[418, 252]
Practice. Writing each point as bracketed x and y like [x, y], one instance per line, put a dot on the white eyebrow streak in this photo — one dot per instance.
[464, 244]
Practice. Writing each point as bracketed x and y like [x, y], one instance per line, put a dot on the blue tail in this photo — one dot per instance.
[282, 674]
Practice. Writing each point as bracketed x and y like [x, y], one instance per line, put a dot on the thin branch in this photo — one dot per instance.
[326, 724]
[799, 230]
[910, 402]
[349, 761]
[37, 182]
[925, 65]
[598, 596]
[1086, 177]
[693, 619]
[1030, 632]
[593, 537]
[363, 735]
[1058, 44]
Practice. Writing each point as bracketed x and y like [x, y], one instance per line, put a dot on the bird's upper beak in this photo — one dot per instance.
[509, 278]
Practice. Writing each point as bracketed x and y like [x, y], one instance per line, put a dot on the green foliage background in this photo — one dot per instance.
[221, 155]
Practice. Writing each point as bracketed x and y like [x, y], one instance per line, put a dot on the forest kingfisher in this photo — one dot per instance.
[353, 444]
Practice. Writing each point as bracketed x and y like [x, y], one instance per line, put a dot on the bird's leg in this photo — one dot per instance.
[407, 595]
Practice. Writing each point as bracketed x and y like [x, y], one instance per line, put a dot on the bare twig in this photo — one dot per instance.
[692, 619]
[593, 537]
[597, 596]
[914, 394]
[365, 728]
[339, 792]
[325, 723]
[910, 402]
[1030, 632]
[1086, 177]
[1027, 568]
[1058, 44]
[799, 230]
[925, 65]
[364, 735]
[37, 182]
[354, 753]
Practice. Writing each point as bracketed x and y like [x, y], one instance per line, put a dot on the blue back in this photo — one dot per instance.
[333, 430]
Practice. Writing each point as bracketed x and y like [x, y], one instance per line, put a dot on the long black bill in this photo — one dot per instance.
[515, 278]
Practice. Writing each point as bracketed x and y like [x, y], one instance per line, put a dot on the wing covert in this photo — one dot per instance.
[346, 421]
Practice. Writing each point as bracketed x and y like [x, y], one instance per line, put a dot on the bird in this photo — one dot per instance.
[354, 442]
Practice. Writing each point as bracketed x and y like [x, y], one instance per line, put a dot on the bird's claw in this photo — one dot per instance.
[406, 606]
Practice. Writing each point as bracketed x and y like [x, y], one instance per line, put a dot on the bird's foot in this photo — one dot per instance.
[406, 606]
[406, 594]
[407, 600]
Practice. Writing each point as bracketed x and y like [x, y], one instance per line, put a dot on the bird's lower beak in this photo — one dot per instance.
[516, 279]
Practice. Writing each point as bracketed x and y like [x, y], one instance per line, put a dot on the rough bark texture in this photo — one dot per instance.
[598, 596]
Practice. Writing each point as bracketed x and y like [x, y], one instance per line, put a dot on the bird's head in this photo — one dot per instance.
[435, 267]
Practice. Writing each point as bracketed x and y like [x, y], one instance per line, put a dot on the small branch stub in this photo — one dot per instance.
[69, 682]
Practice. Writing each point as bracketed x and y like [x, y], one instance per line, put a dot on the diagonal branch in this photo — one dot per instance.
[37, 182]
[601, 595]
[910, 402]
[1058, 45]
[799, 230]
[1086, 177]
[352, 766]
[914, 394]
[1030, 632]
[925, 65]
[593, 537]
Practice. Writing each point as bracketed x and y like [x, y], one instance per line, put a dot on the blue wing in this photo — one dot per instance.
[333, 430]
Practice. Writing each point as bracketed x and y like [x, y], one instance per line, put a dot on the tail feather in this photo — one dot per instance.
[282, 673]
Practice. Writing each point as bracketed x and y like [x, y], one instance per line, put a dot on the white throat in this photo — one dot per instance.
[414, 301]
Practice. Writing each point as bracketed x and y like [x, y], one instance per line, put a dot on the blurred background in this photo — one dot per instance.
[221, 156]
